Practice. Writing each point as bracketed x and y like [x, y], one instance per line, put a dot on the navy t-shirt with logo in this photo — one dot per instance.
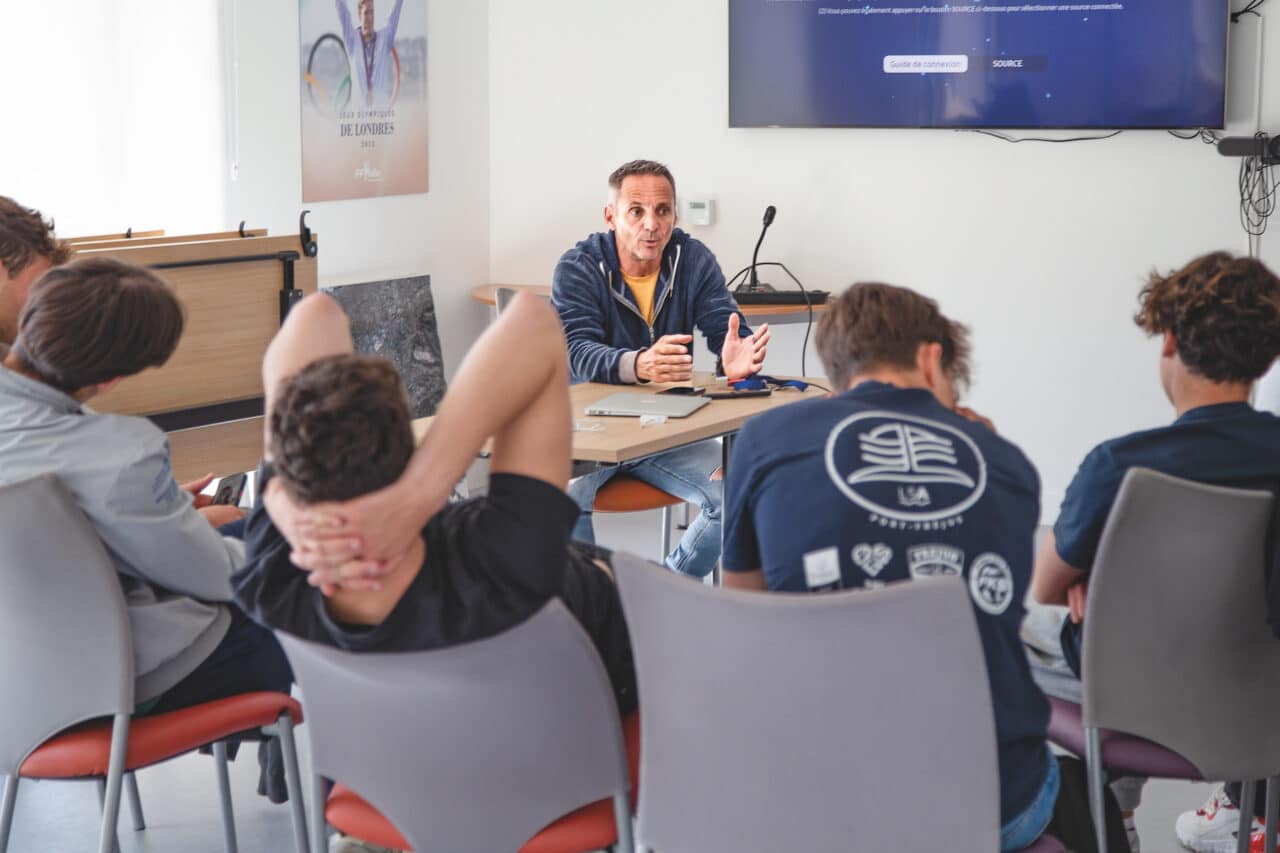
[1226, 444]
[884, 484]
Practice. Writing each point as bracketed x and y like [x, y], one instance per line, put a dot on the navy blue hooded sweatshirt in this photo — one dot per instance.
[602, 322]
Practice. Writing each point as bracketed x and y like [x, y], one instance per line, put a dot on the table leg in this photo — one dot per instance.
[726, 445]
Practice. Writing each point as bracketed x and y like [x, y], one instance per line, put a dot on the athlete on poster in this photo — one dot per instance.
[364, 98]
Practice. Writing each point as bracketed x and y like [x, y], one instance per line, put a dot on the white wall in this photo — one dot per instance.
[444, 233]
[113, 113]
[1041, 248]
[131, 113]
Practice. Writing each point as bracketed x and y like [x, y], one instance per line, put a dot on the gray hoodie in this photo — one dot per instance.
[174, 567]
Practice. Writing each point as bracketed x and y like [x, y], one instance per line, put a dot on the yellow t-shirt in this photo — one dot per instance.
[642, 289]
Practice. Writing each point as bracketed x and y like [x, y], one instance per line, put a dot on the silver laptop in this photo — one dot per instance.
[625, 404]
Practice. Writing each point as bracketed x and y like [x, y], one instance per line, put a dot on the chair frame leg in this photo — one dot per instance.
[107, 841]
[283, 729]
[622, 819]
[319, 826]
[101, 784]
[1097, 781]
[6, 810]
[1248, 799]
[666, 531]
[224, 795]
[1273, 814]
[135, 802]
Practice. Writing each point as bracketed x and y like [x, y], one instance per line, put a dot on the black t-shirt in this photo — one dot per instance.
[491, 563]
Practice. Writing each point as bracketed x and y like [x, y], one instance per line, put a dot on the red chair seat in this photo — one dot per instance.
[627, 494]
[1120, 751]
[588, 828]
[84, 750]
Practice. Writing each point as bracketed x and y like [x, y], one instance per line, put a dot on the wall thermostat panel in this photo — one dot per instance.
[700, 211]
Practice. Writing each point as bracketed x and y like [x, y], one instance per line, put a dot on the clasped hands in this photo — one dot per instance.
[352, 544]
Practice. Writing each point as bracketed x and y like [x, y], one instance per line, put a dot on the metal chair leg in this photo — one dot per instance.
[135, 802]
[107, 841]
[1273, 814]
[622, 818]
[319, 827]
[293, 780]
[6, 810]
[1096, 775]
[224, 794]
[1248, 799]
[666, 531]
[102, 801]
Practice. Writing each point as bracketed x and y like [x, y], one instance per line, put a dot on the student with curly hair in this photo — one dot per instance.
[1218, 319]
[28, 247]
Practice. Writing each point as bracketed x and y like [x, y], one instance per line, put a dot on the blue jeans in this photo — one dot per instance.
[1022, 831]
[684, 472]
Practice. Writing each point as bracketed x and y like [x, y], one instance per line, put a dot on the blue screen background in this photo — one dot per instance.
[1150, 63]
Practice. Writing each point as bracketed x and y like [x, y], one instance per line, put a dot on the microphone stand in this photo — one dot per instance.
[753, 283]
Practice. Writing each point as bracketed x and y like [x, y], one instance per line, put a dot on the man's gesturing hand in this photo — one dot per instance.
[668, 360]
[743, 357]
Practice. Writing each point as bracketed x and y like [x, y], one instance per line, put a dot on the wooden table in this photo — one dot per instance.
[623, 439]
[484, 294]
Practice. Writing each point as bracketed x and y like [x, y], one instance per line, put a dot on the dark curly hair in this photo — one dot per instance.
[1223, 311]
[340, 428]
[874, 325]
[24, 236]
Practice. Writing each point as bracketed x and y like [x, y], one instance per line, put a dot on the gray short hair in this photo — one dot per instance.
[639, 167]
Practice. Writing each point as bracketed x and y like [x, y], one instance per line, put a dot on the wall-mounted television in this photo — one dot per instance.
[978, 63]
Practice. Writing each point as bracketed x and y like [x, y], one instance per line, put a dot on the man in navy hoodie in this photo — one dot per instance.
[629, 299]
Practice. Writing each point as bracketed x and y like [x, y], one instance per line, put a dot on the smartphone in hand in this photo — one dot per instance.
[230, 489]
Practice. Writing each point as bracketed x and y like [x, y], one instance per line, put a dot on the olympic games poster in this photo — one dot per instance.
[364, 98]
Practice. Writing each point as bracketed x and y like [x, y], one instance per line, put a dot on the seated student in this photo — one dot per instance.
[190, 644]
[889, 479]
[27, 248]
[1218, 319]
[339, 428]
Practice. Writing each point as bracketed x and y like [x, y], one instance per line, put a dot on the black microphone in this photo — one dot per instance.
[754, 285]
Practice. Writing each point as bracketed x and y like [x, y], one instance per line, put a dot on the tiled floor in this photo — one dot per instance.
[180, 797]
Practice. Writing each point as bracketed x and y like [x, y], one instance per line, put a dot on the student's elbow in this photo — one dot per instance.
[752, 581]
[1052, 576]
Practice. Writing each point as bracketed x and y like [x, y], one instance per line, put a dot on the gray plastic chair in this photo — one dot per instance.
[844, 721]
[1176, 640]
[475, 747]
[70, 659]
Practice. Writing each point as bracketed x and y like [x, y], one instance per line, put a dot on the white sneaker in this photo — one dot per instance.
[339, 843]
[1212, 827]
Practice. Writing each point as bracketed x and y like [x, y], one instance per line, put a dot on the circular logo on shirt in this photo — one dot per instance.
[905, 468]
[991, 583]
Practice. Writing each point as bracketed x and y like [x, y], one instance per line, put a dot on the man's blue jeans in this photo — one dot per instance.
[684, 472]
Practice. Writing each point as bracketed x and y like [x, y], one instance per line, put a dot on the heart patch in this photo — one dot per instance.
[872, 558]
